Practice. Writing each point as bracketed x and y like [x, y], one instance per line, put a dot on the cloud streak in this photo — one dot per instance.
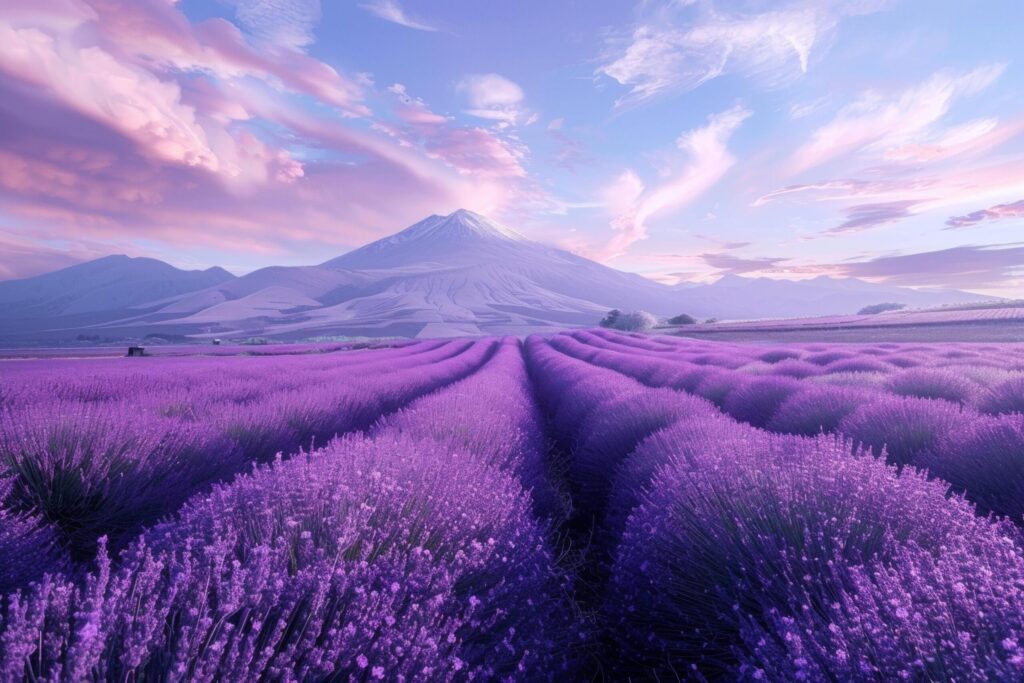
[707, 161]
[892, 124]
[684, 45]
[737, 265]
[972, 267]
[390, 10]
[994, 213]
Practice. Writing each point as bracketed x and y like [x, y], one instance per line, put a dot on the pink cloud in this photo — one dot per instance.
[865, 216]
[708, 160]
[994, 213]
[969, 139]
[91, 81]
[885, 200]
[883, 122]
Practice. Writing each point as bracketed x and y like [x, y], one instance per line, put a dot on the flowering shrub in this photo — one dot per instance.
[492, 416]
[796, 368]
[955, 616]
[816, 409]
[370, 556]
[728, 538]
[756, 401]
[984, 460]
[858, 365]
[717, 386]
[1007, 397]
[110, 459]
[28, 546]
[933, 383]
[903, 427]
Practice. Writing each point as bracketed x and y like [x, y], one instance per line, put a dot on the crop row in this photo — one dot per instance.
[729, 551]
[109, 449]
[936, 416]
[411, 553]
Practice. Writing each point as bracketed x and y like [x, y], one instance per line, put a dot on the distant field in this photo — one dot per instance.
[167, 350]
[586, 506]
[979, 325]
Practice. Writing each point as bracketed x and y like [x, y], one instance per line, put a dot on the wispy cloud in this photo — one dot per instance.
[492, 97]
[893, 123]
[865, 216]
[978, 267]
[679, 46]
[707, 161]
[737, 265]
[284, 23]
[390, 10]
[870, 203]
[994, 213]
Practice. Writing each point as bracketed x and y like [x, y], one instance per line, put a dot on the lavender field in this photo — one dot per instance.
[592, 505]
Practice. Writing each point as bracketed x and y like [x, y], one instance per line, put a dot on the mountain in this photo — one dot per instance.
[446, 275]
[97, 291]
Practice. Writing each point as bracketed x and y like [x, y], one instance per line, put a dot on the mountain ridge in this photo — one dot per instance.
[445, 275]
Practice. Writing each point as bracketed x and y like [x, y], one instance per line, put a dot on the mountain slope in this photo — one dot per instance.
[446, 275]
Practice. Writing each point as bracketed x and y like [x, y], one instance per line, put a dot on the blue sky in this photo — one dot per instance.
[681, 140]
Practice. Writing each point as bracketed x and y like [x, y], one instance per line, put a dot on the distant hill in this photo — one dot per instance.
[446, 275]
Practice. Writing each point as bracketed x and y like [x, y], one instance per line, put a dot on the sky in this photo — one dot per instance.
[685, 140]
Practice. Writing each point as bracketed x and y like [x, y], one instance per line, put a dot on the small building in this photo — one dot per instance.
[136, 351]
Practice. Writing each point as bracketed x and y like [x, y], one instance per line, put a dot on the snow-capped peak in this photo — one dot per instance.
[462, 222]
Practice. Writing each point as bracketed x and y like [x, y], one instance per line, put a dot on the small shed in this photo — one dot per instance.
[136, 351]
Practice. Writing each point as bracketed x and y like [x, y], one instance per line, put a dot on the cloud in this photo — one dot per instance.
[284, 23]
[891, 123]
[492, 96]
[889, 199]
[708, 159]
[569, 152]
[865, 216]
[390, 10]
[724, 244]
[994, 213]
[683, 45]
[968, 139]
[125, 97]
[979, 267]
[738, 265]
[470, 150]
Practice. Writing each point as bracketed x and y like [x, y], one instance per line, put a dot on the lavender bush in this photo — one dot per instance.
[903, 427]
[724, 539]
[369, 558]
[984, 460]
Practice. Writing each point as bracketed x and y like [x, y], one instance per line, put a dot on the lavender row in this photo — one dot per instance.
[411, 554]
[93, 468]
[490, 415]
[743, 554]
[981, 455]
